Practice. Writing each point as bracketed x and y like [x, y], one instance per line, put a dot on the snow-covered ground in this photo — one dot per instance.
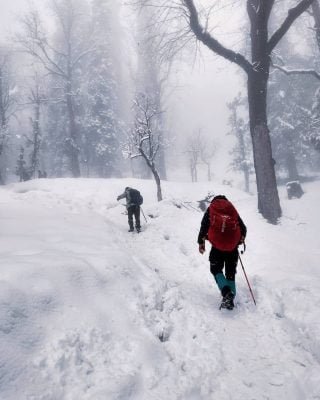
[90, 311]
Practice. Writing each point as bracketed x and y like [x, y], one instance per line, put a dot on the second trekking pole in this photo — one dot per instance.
[143, 214]
[254, 300]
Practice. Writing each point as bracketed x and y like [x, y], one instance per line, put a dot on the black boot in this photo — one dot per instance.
[227, 299]
[131, 229]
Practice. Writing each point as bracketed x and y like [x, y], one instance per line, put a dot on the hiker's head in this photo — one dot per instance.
[220, 196]
[127, 188]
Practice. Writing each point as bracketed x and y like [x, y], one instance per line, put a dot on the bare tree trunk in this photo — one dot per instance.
[194, 174]
[3, 124]
[155, 174]
[316, 15]
[209, 171]
[132, 168]
[162, 161]
[157, 92]
[73, 145]
[291, 165]
[245, 167]
[157, 179]
[191, 173]
[36, 140]
[2, 111]
[239, 131]
[246, 178]
[268, 198]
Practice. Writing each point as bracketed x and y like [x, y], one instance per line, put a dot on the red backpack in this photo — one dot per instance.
[224, 230]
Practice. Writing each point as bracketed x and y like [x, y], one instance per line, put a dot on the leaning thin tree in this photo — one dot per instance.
[257, 72]
[144, 140]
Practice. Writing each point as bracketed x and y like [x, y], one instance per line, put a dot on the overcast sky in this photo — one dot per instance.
[9, 9]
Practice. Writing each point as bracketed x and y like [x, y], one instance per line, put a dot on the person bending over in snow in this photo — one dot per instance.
[225, 230]
[133, 203]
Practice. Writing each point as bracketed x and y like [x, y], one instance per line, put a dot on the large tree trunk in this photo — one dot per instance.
[268, 198]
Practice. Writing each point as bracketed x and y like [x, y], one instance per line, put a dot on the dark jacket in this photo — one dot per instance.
[126, 195]
[205, 224]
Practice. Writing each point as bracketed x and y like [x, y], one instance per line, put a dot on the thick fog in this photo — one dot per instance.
[127, 59]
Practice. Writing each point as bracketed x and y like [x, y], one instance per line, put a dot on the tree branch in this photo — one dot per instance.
[84, 53]
[204, 36]
[293, 14]
[297, 71]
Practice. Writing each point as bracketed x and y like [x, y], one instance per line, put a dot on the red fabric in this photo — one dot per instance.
[224, 230]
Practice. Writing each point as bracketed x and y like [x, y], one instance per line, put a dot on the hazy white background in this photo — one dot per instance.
[10, 10]
[200, 92]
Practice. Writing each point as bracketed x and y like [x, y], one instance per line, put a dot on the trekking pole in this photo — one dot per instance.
[254, 300]
[143, 214]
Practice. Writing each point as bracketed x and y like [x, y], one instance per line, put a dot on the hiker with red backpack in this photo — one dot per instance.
[225, 230]
[133, 202]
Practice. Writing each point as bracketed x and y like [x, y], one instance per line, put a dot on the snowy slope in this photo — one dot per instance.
[90, 311]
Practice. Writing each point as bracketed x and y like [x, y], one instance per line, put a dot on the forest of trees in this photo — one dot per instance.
[87, 95]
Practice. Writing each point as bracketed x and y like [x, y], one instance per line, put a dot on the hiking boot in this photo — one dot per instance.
[131, 230]
[138, 229]
[227, 301]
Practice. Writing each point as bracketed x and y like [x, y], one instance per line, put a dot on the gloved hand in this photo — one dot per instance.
[202, 248]
[118, 198]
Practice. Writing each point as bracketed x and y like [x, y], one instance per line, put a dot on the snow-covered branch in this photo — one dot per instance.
[287, 71]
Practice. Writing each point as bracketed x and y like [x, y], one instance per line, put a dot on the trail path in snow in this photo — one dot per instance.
[253, 352]
[89, 311]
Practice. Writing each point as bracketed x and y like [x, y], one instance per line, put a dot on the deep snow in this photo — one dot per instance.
[90, 311]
